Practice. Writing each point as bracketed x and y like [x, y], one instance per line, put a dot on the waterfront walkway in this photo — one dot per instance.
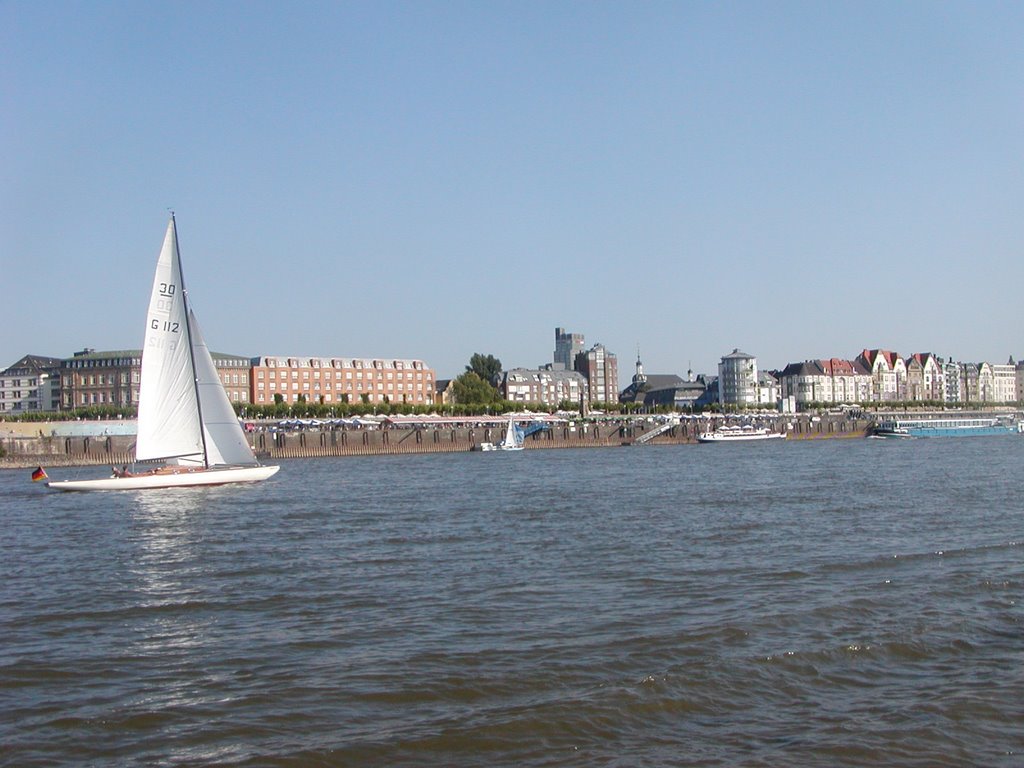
[41, 444]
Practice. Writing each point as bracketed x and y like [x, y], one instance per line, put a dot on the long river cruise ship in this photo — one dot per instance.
[956, 426]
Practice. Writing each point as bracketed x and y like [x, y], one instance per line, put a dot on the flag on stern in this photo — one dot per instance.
[39, 474]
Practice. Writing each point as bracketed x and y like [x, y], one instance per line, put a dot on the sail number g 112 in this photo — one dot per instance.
[166, 290]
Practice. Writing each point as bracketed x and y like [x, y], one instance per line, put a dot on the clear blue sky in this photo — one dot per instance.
[430, 180]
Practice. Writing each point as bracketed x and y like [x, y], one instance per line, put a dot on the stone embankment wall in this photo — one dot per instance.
[29, 450]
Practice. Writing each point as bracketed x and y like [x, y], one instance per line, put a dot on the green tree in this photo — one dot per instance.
[487, 367]
[470, 388]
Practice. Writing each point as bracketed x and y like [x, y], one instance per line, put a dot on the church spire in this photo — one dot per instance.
[639, 377]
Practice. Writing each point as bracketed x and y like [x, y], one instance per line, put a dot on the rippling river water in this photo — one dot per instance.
[851, 602]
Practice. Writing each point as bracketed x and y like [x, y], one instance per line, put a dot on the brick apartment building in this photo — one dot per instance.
[112, 378]
[339, 380]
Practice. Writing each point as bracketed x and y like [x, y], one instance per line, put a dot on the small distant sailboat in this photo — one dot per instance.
[186, 421]
[513, 440]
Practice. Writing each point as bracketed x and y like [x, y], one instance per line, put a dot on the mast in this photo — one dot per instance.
[191, 349]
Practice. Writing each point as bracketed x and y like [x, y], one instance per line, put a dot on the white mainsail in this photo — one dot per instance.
[169, 426]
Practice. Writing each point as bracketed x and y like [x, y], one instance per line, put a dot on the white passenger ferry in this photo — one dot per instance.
[734, 434]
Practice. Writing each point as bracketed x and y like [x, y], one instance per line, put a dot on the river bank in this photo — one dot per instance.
[34, 444]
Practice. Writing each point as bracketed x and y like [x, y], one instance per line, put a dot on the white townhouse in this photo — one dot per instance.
[1004, 382]
[952, 374]
[888, 374]
[926, 379]
[826, 381]
[768, 393]
[31, 384]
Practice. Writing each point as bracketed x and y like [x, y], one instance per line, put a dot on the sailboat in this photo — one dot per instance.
[186, 422]
[513, 440]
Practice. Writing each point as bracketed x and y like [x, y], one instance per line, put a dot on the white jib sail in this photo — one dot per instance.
[168, 409]
[225, 441]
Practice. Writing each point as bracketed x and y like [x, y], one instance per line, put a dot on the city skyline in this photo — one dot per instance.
[433, 180]
[115, 378]
[625, 373]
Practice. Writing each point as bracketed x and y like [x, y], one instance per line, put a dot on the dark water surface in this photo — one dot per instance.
[835, 603]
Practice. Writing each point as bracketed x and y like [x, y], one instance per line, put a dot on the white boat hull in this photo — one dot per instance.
[499, 447]
[180, 478]
[713, 437]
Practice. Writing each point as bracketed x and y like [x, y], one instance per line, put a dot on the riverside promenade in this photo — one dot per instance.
[33, 444]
